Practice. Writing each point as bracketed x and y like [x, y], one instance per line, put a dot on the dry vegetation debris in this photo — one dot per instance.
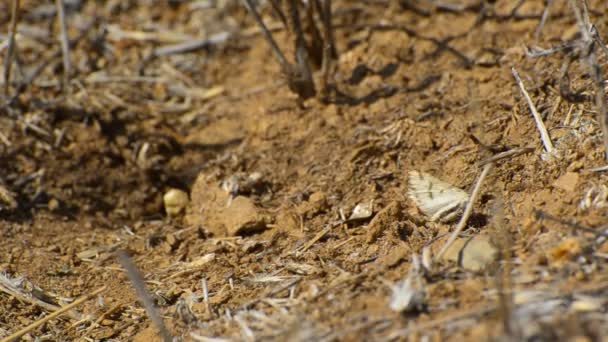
[293, 170]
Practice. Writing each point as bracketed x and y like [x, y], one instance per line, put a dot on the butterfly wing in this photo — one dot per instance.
[434, 197]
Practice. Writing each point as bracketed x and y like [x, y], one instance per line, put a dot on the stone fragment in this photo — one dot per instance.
[175, 201]
[362, 211]
[474, 254]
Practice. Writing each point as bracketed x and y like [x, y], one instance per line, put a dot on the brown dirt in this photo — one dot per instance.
[88, 171]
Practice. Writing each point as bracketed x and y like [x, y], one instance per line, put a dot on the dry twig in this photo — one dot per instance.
[250, 6]
[504, 283]
[192, 45]
[4, 139]
[588, 45]
[506, 154]
[44, 64]
[488, 308]
[276, 8]
[543, 19]
[138, 283]
[318, 237]
[544, 134]
[328, 45]
[18, 334]
[272, 292]
[299, 79]
[99, 319]
[11, 46]
[65, 43]
[467, 211]
[28, 293]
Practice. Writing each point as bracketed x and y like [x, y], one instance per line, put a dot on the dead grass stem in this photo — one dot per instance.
[18, 334]
[467, 211]
[65, 43]
[544, 134]
[139, 284]
[10, 51]
[589, 41]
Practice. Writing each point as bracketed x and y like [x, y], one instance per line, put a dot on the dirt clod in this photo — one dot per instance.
[316, 203]
[392, 213]
[568, 182]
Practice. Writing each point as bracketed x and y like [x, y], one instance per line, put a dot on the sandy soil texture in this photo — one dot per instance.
[304, 219]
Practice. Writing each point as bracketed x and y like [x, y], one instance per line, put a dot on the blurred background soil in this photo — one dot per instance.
[262, 251]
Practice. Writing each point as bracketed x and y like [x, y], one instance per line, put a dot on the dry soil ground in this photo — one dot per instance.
[424, 87]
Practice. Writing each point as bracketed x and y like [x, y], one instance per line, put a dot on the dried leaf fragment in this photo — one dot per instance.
[409, 294]
[362, 211]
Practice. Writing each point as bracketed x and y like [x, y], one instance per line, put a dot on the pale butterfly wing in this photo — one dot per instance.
[435, 198]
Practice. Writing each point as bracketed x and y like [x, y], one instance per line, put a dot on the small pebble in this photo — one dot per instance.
[175, 201]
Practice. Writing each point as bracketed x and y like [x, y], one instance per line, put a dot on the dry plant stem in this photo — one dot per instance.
[328, 47]
[65, 43]
[544, 134]
[300, 80]
[11, 46]
[40, 322]
[327, 20]
[504, 282]
[206, 295]
[138, 283]
[271, 293]
[273, 44]
[467, 212]
[437, 323]
[517, 7]
[98, 321]
[5, 140]
[599, 41]
[506, 154]
[588, 56]
[543, 20]
[44, 64]
[316, 238]
[422, 326]
[276, 8]
[599, 169]
[575, 226]
[193, 45]
[25, 296]
[315, 49]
